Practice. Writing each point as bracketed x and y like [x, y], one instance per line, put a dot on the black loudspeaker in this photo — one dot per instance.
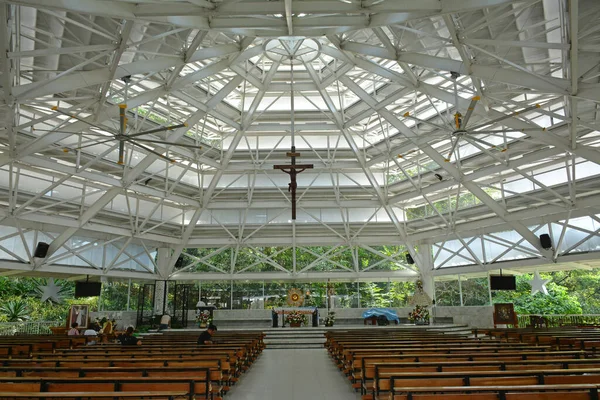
[179, 262]
[41, 250]
[545, 241]
[409, 259]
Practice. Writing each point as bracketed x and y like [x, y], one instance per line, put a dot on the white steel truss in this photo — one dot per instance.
[378, 89]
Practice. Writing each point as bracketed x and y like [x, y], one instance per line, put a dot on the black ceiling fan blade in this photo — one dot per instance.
[135, 143]
[189, 146]
[452, 150]
[72, 133]
[472, 105]
[55, 108]
[492, 146]
[89, 145]
[505, 131]
[163, 129]
[502, 118]
[422, 121]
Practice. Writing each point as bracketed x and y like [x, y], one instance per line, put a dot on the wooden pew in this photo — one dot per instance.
[541, 392]
[384, 382]
[371, 370]
[168, 395]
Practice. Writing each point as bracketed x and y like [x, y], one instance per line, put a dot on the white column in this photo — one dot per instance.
[426, 270]
[162, 267]
[128, 293]
[460, 292]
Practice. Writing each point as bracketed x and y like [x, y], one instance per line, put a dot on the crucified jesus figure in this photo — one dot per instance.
[292, 170]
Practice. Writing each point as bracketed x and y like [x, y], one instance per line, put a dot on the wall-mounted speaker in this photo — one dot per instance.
[41, 250]
[409, 259]
[545, 241]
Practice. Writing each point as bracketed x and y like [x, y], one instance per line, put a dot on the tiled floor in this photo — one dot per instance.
[293, 374]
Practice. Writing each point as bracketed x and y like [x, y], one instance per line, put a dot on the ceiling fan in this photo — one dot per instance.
[135, 139]
[460, 131]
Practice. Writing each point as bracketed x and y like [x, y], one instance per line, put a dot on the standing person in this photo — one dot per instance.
[206, 336]
[73, 331]
[128, 339]
[165, 322]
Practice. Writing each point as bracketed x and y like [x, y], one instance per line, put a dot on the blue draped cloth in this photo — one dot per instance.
[376, 312]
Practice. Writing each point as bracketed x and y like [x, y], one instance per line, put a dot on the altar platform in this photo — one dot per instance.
[314, 337]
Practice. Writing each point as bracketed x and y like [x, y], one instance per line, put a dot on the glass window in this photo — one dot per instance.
[374, 294]
[217, 293]
[114, 296]
[447, 293]
[248, 295]
[138, 294]
[475, 291]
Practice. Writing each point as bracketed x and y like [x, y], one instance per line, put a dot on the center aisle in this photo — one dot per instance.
[293, 374]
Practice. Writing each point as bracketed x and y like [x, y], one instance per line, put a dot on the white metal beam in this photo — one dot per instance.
[246, 121]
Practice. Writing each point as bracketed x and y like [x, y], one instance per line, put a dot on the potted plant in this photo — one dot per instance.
[419, 315]
[295, 319]
[330, 319]
[203, 318]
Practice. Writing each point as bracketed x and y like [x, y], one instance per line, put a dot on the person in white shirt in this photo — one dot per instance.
[90, 331]
[165, 322]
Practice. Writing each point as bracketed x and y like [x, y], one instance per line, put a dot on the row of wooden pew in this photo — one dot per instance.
[403, 364]
[163, 367]
[562, 338]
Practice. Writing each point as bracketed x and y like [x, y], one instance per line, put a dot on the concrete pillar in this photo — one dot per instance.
[163, 270]
[426, 270]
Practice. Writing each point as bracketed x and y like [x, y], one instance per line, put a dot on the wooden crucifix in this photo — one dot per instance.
[292, 170]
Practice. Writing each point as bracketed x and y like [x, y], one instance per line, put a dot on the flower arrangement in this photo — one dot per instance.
[295, 317]
[203, 317]
[419, 313]
[330, 319]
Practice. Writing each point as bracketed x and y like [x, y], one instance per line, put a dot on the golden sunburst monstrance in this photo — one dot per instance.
[295, 297]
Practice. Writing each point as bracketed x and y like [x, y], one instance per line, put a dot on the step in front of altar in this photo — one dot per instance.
[294, 338]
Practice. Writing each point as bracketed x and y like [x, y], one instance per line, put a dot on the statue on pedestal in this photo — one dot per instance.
[420, 300]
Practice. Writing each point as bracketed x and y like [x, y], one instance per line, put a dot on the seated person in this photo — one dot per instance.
[73, 331]
[165, 322]
[206, 336]
[128, 339]
[107, 327]
[92, 331]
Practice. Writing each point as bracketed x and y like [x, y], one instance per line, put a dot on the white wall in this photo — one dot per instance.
[474, 316]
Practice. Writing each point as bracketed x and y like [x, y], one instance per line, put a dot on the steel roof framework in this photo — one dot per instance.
[375, 105]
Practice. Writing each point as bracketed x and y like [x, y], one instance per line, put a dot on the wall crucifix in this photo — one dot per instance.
[293, 169]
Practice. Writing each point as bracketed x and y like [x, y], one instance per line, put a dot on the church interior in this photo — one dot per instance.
[327, 199]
